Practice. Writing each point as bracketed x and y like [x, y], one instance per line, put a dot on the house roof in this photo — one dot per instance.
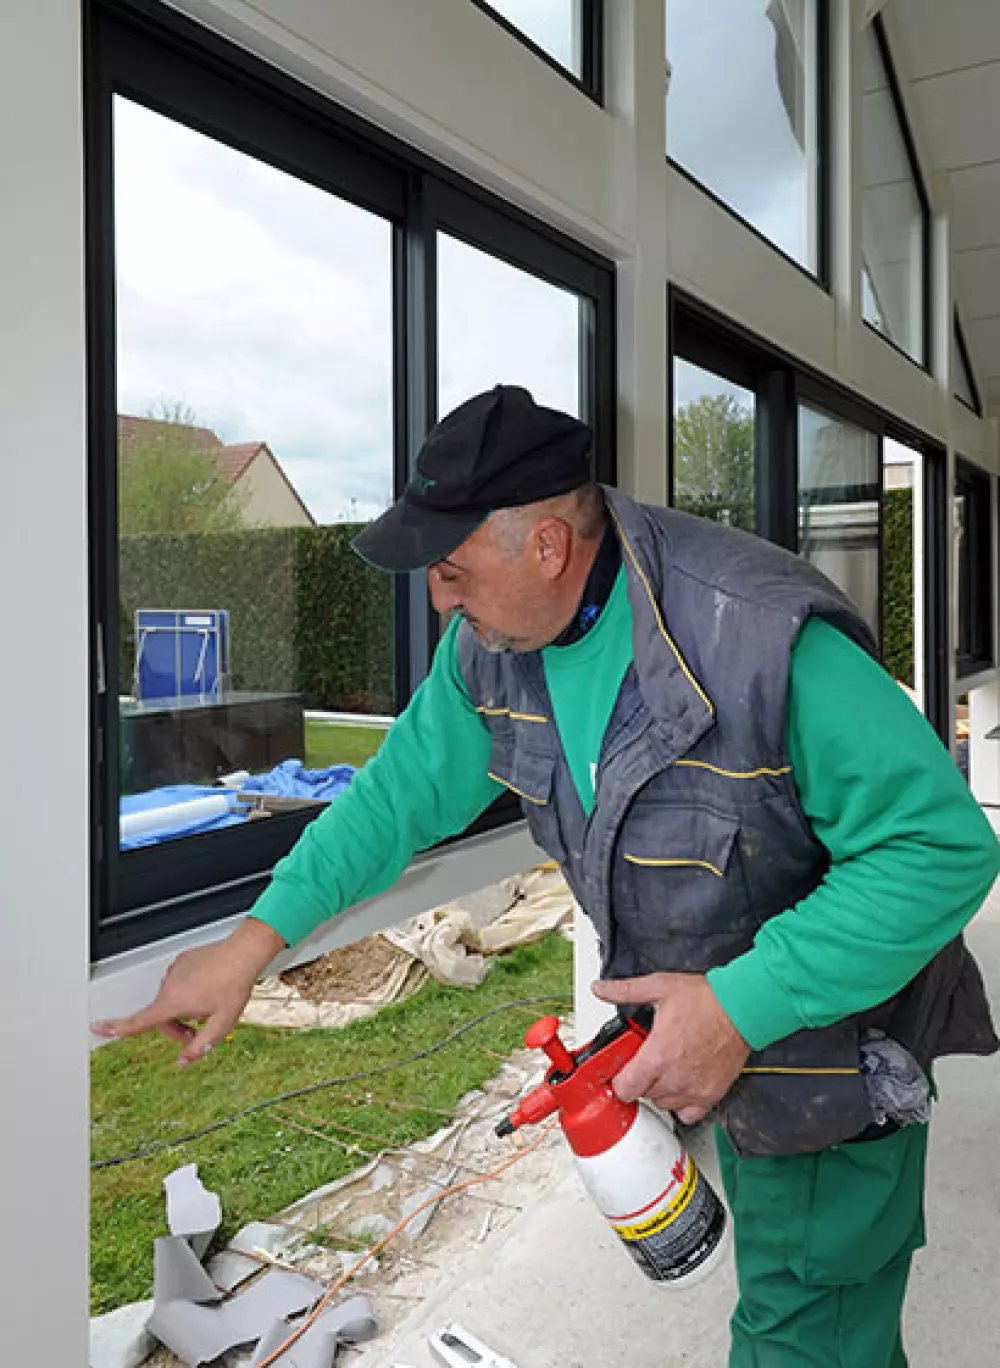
[233, 460]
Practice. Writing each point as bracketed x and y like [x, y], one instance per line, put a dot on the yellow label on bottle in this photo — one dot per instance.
[652, 1225]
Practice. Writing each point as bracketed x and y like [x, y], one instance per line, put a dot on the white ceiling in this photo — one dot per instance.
[950, 57]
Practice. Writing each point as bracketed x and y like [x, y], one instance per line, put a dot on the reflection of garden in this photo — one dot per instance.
[714, 460]
[714, 446]
[335, 743]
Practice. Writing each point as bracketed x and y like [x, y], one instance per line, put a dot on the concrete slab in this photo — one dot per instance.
[554, 1290]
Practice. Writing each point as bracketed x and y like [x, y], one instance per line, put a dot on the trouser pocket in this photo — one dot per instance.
[867, 1207]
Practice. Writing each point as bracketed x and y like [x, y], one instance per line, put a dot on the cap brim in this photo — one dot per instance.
[406, 537]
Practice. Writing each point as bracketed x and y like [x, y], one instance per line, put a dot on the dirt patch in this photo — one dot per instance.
[354, 973]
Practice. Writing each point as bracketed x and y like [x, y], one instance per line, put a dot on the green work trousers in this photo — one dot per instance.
[823, 1248]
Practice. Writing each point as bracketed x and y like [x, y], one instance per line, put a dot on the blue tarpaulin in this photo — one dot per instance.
[173, 802]
[291, 779]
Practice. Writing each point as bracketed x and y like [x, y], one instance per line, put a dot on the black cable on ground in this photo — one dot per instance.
[159, 1145]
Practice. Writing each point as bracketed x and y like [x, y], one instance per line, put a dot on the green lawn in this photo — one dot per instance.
[260, 1165]
[330, 743]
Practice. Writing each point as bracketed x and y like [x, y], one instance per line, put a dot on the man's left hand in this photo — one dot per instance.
[693, 1054]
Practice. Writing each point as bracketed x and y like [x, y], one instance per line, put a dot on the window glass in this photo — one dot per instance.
[254, 435]
[714, 442]
[962, 382]
[498, 325]
[742, 112]
[556, 26]
[839, 505]
[893, 217]
[972, 569]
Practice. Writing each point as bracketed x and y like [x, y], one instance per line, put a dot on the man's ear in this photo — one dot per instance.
[553, 538]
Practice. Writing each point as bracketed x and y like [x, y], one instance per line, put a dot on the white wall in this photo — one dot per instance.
[442, 75]
[43, 690]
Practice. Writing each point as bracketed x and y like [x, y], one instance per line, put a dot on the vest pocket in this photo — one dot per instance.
[798, 1095]
[683, 869]
[530, 777]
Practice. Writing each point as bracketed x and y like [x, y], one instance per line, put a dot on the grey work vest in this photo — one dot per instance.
[696, 837]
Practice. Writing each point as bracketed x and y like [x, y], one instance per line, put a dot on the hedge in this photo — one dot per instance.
[897, 584]
[305, 614]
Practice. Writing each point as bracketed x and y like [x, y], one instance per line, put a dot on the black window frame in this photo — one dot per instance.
[976, 626]
[699, 333]
[141, 50]
[965, 360]
[822, 276]
[927, 262]
[590, 81]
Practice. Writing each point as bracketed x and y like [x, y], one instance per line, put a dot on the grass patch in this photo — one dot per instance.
[333, 743]
[259, 1165]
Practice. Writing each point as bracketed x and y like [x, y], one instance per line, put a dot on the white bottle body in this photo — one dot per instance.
[658, 1203]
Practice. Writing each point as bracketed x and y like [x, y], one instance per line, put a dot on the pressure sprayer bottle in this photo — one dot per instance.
[642, 1179]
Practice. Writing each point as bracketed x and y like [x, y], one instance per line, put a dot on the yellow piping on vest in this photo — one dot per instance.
[659, 618]
[702, 864]
[736, 774]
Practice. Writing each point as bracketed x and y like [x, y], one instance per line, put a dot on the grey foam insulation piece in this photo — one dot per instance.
[351, 1322]
[199, 1332]
[234, 1264]
[192, 1211]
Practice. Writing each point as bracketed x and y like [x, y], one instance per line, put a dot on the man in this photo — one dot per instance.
[778, 855]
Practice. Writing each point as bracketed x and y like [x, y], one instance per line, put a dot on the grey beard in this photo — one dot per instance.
[490, 641]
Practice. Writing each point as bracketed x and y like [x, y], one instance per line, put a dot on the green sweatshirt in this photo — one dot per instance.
[912, 855]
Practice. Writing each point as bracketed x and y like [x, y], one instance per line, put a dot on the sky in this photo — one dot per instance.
[726, 122]
[263, 305]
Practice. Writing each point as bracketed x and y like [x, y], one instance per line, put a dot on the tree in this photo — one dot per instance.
[169, 479]
[714, 460]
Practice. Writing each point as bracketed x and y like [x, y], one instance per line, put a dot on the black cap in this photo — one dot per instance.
[497, 450]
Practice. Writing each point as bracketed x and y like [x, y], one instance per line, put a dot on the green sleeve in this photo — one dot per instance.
[912, 855]
[427, 781]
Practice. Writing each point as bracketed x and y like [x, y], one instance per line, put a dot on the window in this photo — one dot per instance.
[963, 380]
[264, 318]
[834, 479]
[972, 549]
[254, 437]
[839, 505]
[894, 209]
[743, 113]
[500, 325]
[714, 442]
[567, 33]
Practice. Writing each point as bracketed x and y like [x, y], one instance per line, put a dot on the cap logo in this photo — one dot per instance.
[421, 483]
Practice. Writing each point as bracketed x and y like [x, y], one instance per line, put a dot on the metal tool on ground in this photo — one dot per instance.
[644, 1182]
[456, 1347]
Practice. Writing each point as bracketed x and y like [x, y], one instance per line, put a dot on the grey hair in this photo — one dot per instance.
[584, 509]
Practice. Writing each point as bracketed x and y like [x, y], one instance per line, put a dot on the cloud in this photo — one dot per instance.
[726, 122]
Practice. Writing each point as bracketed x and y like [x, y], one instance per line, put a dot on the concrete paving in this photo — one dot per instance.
[554, 1290]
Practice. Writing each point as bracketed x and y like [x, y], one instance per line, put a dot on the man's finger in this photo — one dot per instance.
[149, 1019]
[635, 1079]
[691, 1115]
[630, 990]
[216, 1028]
[177, 1030]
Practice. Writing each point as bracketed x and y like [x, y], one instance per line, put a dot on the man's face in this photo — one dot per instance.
[507, 601]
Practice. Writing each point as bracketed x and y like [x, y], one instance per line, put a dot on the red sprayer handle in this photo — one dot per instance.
[579, 1081]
